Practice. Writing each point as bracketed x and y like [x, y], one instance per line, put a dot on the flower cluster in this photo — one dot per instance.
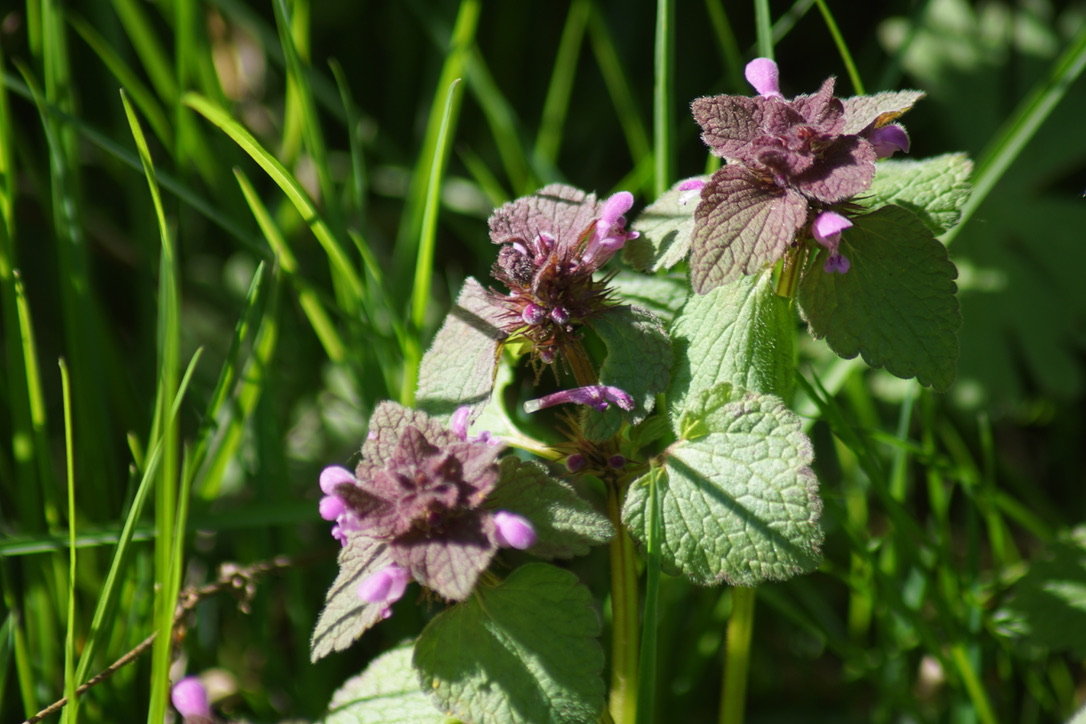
[552, 243]
[421, 490]
[792, 164]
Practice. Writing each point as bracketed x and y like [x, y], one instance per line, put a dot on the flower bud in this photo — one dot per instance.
[513, 531]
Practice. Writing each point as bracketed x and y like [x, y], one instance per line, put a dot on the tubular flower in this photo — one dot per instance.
[552, 243]
[598, 397]
[826, 230]
[189, 697]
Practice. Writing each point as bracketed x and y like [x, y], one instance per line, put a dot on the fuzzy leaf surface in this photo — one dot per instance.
[741, 226]
[666, 227]
[896, 306]
[387, 692]
[638, 362]
[386, 427]
[934, 189]
[739, 502]
[861, 111]
[565, 523]
[664, 296]
[525, 651]
[458, 369]
[346, 616]
[739, 333]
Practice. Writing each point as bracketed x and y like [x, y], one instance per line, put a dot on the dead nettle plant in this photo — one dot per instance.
[567, 404]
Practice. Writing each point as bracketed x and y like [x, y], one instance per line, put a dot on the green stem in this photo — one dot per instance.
[624, 620]
[737, 655]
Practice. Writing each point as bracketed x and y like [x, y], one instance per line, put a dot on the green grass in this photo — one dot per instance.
[236, 257]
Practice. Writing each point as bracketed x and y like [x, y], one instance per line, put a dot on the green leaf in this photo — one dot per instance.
[665, 226]
[387, 692]
[738, 504]
[458, 369]
[861, 111]
[664, 296]
[739, 333]
[896, 306]
[741, 227]
[1049, 602]
[934, 189]
[638, 362]
[566, 524]
[523, 651]
[346, 616]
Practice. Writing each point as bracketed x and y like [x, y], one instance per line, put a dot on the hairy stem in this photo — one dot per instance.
[625, 630]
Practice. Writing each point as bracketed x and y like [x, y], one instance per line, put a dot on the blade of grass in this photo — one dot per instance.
[166, 181]
[289, 185]
[149, 49]
[730, 57]
[556, 102]
[310, 303]
[167, 555]
[70, 682]
[619, 88]
[763, 26]
[301, 109]
[1027, 119]
[842, 47]
[664, 82]
[409, 234]
[128, 78]
[424, 263]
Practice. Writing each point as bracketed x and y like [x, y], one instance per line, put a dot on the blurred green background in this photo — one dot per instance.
[953, 584]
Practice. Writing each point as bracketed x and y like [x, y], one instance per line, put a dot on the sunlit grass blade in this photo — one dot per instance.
[842, 47]
[763, 25]
[149, 48]
[664, 82]
[115, 150]
[167, 556]
[409, 234]
[424, 262]
[301, 111]
[308, 299]
[1022, 126]
[292, 188]
[70, 682]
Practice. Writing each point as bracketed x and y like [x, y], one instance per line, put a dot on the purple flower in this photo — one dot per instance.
[419, 490]
[599, 397]
[552, 243]
[762, 73]
[190, 699]
[888, 140]
[826, 230]
[513, 531]
[787, 161]
[385, 587]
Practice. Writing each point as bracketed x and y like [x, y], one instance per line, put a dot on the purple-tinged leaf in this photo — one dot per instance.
[346, 616]
[742, 225]
[844, 170]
